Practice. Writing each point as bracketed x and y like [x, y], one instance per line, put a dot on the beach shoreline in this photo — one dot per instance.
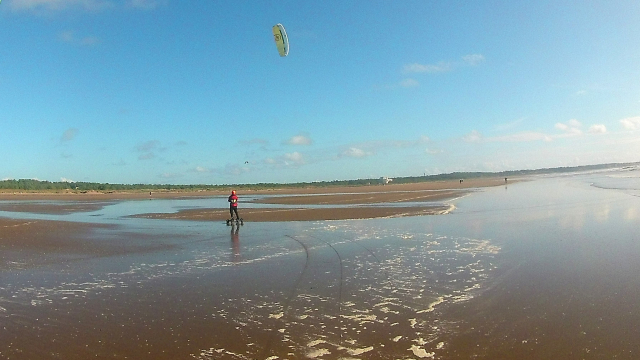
[339, 203]
[6, 195]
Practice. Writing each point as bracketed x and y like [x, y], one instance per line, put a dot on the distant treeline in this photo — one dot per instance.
[38, 185]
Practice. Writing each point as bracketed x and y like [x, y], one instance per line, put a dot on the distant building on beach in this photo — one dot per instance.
[385, 180]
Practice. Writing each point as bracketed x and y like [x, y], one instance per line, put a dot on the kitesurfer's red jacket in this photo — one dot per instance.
[233, 200]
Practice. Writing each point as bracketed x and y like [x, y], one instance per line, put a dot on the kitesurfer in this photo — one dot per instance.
[233, 205]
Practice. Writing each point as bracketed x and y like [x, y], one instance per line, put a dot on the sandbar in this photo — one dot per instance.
[351, 202]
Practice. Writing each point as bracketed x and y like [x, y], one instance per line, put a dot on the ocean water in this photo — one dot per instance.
[539, 269]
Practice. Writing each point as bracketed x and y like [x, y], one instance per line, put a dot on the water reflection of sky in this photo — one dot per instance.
[383, 274]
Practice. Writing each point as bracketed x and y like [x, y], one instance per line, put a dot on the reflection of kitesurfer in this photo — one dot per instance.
[235, 242]
[233, 205]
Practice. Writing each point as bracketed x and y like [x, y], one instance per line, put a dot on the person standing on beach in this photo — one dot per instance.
[233, 205]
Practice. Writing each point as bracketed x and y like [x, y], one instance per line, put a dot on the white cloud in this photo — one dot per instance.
[473, 59]
[572, 127]
[442, 66]
[201, 169]
[300, 140]
[370, 148]
[64, 179]
[409, 83]
[473, 136]
[428, 68]
[522, 137]
[632, 123]
[597, 129]
[295, 157]
[574, 123]
[355, 153]
[69, 134]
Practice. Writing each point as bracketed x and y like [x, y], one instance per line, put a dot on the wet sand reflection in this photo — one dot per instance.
[235, 243]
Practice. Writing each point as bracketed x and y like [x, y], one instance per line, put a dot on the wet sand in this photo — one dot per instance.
[547, 272]
[67, 207]
[28, 244]
[301, 214]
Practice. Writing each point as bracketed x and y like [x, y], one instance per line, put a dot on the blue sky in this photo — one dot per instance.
[193, 92]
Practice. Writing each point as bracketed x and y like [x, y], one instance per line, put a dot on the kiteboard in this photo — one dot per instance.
[235, 221]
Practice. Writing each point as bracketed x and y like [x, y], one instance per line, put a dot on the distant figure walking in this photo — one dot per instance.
[505, 180]
[233, 205]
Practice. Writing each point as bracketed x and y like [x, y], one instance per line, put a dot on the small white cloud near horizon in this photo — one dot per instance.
[295, 157]
[64, 179]
[522, 137]
[572, 127]
[300, 140]
[631, 123]
[355, 153]
[201, 169]
[473, 137]
[597, 129]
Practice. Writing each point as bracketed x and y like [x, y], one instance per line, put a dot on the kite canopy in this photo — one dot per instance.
[282, 41]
